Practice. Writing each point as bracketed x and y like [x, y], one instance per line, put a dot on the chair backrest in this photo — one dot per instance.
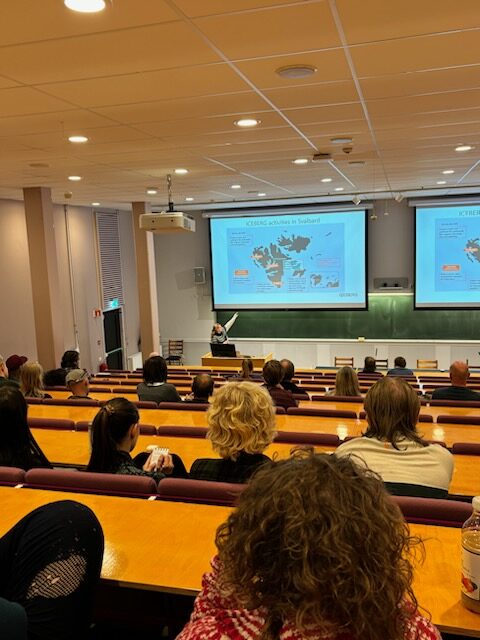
[425, 417]
[175, 347]
[315, 439]
[329, 413]
[34, 400]
[381, 363]
[280, 411]
[447, 419]
[88, 402]
[86, 482]
[182, 432]
[11, 476]
[466, 448]
[427, 364]
[434, 511]
[145, 429]
[356, 399]
[199, 491]
[340, 361]
[99, 389]
[188, 406]
[145, 404]
[454, 403]
[51, 423]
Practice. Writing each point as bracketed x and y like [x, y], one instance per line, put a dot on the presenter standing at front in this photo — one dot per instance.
[219, 333]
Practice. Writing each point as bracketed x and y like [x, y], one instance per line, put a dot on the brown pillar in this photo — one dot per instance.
[44, 275]
[146, 283]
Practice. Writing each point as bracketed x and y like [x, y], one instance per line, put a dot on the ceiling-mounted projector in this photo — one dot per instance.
[167, 222]
[170, 221]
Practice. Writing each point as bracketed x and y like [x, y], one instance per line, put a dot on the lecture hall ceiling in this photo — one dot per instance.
[158, 84]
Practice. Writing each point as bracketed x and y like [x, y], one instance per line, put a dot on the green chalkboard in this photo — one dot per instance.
[388, 317]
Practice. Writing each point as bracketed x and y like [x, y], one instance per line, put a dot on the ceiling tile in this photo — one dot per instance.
[194, 8]
[313, 95]
[25, 100]
[65, 122]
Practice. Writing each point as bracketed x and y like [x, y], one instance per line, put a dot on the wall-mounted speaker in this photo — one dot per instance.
[390, 283]
[199, 275]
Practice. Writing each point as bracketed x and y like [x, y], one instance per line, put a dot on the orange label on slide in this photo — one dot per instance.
[241, 272]
[451, 267]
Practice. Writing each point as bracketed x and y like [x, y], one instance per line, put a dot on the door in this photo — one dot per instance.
[112, 329]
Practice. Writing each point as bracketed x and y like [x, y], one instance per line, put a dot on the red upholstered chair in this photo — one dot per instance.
[99, 389]
[11, 476]
[199, 491]
[145, 429]
[443, 419]
[187, 406]
[89, 402]
[454, 403]
[34, 400]
[124, 391]
[182, 432]
[315, 439]
[51, 423]
[145, 404]
[86, 482]
[444, 513]
[56, 388]
[280, 411]
[327, 413]
[309, 386]
[424, 417]
[356, 399]
[301, 397]
[466, 448]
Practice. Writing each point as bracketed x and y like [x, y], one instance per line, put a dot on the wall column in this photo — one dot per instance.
[44, 275]
[146, 283]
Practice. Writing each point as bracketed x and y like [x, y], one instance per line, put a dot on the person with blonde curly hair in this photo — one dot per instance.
[316, 549]
[31, 380]
[241, 423]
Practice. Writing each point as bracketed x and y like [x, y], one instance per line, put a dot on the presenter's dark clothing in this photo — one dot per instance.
[50, 564]
[227, 470]
[281, 397]
[400, 371]
[288, 385]
[455, 393]
[158, 392]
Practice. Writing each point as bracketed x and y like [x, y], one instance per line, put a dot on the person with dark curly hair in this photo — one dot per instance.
[316, 549]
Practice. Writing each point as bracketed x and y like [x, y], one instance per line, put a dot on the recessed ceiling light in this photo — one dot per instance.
[85, 6]
[75, 178]
[300, 161]
[296, 71]
[338, 188]
[189, 199]
[78, 139]
[447, 172]
[236, 186]
[95, 204]
[152, 192]
[247, 122]
[260, 195]
[326, 180]
[181, 172]
[340, 140]
[463, 147]
[441, 182]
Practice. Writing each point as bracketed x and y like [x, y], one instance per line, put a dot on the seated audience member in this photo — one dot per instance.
[154, 386]
[50, 566]
[202, 388]
[246, 372]
[18, 447]
[459, 374]
[77, 382]
[31, 380]
[288, 373]
[4, 379]
[400, 368]
[392, 447]
[70, 360]
[114, 436]
[54, 378]
[346, 383]
[13, 365]
[273, 373]
[370, 366]
[315, 549]
[241, 425]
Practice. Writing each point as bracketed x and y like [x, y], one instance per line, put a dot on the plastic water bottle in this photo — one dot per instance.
[471, 559]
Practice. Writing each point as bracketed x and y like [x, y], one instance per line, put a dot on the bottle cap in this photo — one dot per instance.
[476, 503]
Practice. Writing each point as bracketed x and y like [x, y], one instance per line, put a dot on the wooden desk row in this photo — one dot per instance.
[167, 547]
[73, 448]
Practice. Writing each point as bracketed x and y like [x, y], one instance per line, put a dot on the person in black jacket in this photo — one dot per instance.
[288, 373]
[459, 374]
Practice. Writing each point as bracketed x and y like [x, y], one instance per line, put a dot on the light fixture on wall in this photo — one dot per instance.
[356, 200]
[373, 216]
[85, 6]
[399, 197]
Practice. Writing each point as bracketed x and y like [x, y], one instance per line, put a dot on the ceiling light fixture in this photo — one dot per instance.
[448, 172]
[181, 172]
[339, 188]
[236, 186]
[152, 192]
[326, 180]
[341, 140]
[261, 195]
[189, 199]
[75, 178]
[294, 71]
[356, 200]
[463, 147]
[85, 6]
[78, 139]
[300, 161]
[247, 122]
[441, 182]
[95, 204]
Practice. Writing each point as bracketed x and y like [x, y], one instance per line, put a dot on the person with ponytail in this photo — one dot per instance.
[316, 549]
[18, 447]
[114, 435]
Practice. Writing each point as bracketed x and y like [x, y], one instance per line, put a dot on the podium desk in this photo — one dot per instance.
[212, 361]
